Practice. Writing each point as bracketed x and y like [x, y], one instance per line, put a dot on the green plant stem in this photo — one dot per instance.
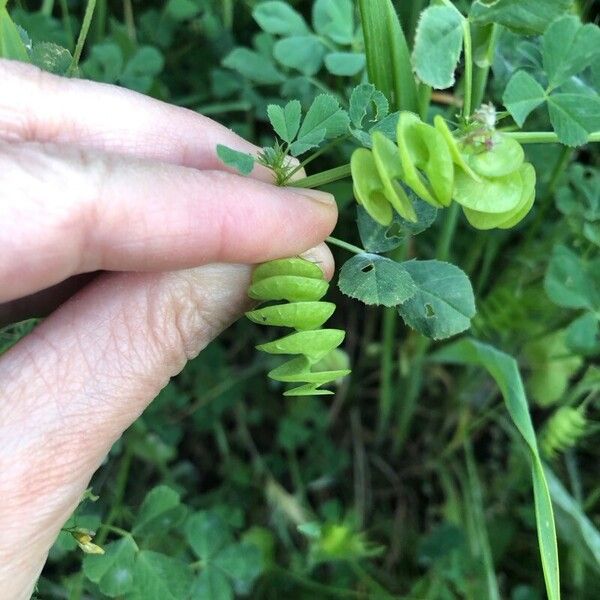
[561, 164]
[315, 586]
[47, 7]
[314, 156]
[386, 386]
[412, 389]
[323, 178]
[66, 20]
[345, 245]
[448, 231]
[107, 526]
[474, 497]
[544, 137]
[481, 74]
[85, 27]
[468, 84]
[414, 382]
[370, 582]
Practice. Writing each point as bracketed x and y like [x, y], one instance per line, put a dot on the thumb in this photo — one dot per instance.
[70, 389]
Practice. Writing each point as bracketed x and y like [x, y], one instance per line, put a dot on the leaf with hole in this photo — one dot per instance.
[374, 279]
[443, 304]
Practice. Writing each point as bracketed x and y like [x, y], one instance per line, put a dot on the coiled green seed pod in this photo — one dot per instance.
[301, 285]
[563, 430]
[491, 181]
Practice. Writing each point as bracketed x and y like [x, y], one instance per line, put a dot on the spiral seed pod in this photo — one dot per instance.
[490, 179]
[295, 287]
[563, 430]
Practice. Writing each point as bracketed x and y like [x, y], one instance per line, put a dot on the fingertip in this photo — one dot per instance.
[321, 256]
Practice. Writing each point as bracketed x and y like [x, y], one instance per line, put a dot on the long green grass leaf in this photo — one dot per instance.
[503, 368]
[11, 44]
[388, 57]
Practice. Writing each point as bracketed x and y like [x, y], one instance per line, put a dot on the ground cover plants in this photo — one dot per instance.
[445, 448]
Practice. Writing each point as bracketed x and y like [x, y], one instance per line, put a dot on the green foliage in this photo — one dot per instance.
[11, 42]
[503, 368]
[388, 58]
[568, 48]
[438, 46]
[374, 279]
[409, 481]
[520, 15]
[572, 281]
[444, 304]
[240, 161]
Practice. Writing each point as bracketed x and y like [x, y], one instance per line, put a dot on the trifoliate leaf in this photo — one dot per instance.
[240, 161]
[345, 64]
[279, 18]
[384, 238]
[51, 57]
[365, 100]
[207, 534]
[301, 52]
[572, 282]
[443, 304]
[212, 584]
[253, 65]
[526, 16]
[438, 44]
[374, 279]
[334, 20]
[324, 120]
[285, 121]
[113, 572]
[574, 117]
[583, 335]
[522, 95]
[160, 511]
[568, 48]
[160, 577]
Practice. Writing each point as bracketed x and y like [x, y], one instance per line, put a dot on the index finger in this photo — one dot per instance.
[41, 107]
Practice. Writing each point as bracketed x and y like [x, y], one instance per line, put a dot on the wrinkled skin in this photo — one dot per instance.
[115, 207]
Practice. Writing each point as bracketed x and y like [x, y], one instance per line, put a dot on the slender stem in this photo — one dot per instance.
[66, 21]
[468, 46]
[544, 137]
[481, 74]
[47, 7]
[314, 156]
[323, 178]
[386, 387]
[85, 27]
[448, 231]
[345, 245]
[120, 485]
[561, 164]
[315, 586]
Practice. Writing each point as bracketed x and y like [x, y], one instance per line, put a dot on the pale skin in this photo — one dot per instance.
[96, 178]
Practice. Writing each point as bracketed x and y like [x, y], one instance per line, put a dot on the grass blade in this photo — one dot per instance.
[388, 57]
[503, 368]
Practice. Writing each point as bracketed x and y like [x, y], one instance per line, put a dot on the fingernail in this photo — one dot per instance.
[317, 195]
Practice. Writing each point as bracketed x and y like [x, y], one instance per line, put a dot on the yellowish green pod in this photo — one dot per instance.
[368, 187]
[302, 285]
[387, 161]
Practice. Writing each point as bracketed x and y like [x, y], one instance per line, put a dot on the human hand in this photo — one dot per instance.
[97, 178]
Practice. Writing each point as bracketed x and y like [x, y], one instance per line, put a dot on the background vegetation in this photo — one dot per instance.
[410, 482]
